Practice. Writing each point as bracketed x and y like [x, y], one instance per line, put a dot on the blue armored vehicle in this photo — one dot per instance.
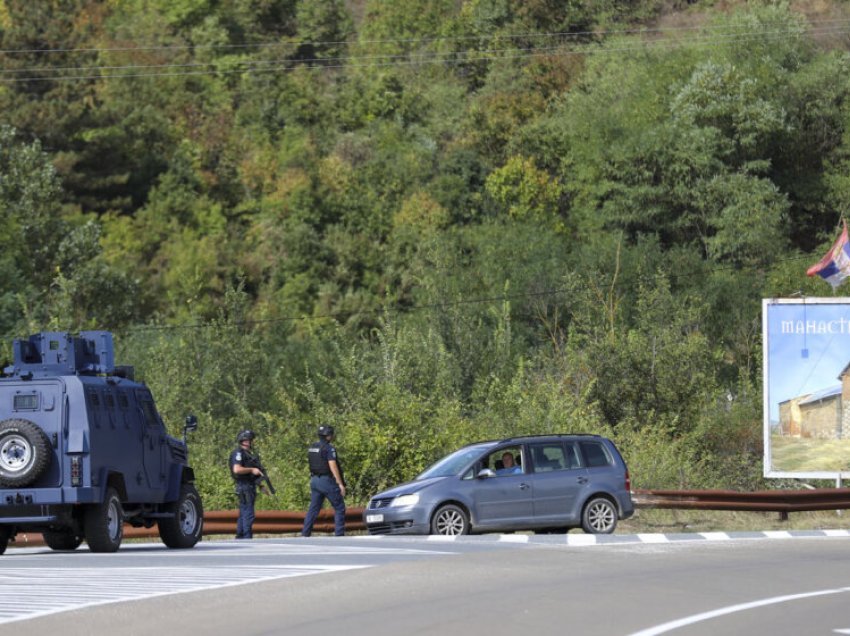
[83, 450]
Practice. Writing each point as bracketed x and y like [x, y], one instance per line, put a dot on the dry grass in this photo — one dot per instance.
[794, 454]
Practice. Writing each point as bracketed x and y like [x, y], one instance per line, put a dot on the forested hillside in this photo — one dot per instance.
[426, 222]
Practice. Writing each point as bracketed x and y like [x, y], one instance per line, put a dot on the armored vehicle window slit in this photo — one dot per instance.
[26, 402]
[149, 413]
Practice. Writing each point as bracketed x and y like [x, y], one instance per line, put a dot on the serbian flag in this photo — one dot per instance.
[835, 266]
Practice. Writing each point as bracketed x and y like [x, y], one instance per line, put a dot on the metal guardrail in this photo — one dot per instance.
[276, 521]
[224, 522]
[782, 501]
[289, 521]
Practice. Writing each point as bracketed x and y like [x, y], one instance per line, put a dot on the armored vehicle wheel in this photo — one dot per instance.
[62, 540]
[24, 453]
[5, 535]
[184, 529]
[103, 524]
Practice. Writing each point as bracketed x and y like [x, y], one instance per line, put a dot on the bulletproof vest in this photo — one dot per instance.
[248, 461]
[318, 463]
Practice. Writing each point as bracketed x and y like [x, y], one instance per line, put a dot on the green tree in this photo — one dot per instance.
[323, 28]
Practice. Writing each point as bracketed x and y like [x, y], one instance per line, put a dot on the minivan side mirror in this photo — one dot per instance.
[485, 473]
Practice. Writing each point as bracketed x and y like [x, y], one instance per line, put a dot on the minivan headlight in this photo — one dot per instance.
[405, 500]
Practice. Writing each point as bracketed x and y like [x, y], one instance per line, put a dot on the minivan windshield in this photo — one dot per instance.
[454, 463]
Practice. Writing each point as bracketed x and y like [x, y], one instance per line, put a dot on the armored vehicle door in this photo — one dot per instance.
[31, 433]
[153, 443]
[119, 430]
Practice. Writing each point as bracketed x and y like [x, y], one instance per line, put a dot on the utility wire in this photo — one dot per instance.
[385, 60]
[424, 40]
[457, 57]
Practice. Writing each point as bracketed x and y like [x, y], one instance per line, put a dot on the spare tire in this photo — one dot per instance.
[24, 453]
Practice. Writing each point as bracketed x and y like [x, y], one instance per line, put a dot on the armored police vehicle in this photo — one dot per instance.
[83, 450]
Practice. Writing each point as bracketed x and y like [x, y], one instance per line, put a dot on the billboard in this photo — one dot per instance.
[806, 387]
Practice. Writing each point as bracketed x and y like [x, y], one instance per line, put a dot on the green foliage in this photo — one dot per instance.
[323, 28]
[425, 222]
[659, 366]
[658, 458]
[398, 27]
[523, 190]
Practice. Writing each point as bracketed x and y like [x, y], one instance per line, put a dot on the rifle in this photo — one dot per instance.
[264, 478]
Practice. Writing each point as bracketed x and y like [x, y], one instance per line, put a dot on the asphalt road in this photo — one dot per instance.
[476, 585]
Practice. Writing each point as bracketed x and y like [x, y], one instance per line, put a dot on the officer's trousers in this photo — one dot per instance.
[322, 487]
[247, 495]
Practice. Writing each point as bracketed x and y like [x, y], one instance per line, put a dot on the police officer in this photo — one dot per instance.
[244, 470]
[326, 481]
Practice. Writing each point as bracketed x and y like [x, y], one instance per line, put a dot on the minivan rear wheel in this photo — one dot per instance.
[599, 516]
[450, 520]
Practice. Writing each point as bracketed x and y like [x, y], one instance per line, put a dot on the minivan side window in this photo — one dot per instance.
[548, 457]
[505, 461]
[573, 457]
[595, 454]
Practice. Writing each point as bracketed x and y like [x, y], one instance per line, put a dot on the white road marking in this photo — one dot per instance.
[267, 547]
[514, 538]
[741, 607]
[581, 539]
[34, 592]
[777, 534]
[621, 539]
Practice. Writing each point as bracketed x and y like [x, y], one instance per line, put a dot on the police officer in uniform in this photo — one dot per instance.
[326, 481]
[244, 470]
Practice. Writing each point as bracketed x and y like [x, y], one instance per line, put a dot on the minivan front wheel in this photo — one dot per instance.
[599, 516]
[450, 520]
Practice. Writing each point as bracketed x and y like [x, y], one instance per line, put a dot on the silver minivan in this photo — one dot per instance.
[546, 483]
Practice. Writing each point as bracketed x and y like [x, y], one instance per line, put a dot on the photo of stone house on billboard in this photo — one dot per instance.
[806, 387]
[818, 415]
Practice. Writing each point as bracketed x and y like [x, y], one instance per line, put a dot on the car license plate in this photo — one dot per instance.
[374, 518]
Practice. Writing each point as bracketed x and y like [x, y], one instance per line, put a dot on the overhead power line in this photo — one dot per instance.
[422, 40]
[384, 60]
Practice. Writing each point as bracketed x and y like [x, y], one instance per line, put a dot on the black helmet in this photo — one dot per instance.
[326, 430]
[247, 434]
